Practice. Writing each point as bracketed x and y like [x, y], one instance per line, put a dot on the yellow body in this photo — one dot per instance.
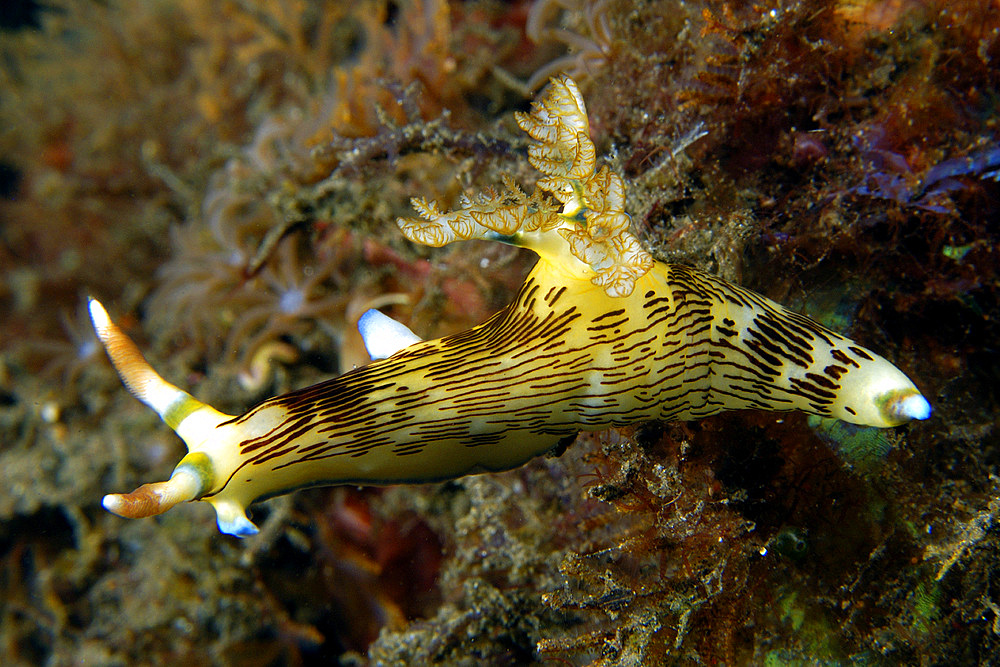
[599, 335]
[560, 359]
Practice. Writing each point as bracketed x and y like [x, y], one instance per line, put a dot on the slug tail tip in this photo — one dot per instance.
[901, 406]
[915, 406]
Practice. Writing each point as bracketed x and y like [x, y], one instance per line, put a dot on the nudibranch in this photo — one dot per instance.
[600, 335]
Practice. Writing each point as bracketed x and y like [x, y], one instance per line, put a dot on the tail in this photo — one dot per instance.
[192, 420]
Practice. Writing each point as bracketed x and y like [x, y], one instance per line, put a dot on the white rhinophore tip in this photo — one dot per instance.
[140, 378]
[384, 336]
[98, 315]
[114, 503]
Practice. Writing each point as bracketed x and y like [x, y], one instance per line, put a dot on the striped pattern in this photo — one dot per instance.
[560, 359]
[600, 335]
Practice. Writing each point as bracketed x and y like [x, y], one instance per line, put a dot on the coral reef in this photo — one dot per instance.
[194, 161]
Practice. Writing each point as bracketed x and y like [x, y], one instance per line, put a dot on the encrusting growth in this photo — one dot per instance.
[599, 335]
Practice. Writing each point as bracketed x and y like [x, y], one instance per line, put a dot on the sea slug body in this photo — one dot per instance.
[600, 335]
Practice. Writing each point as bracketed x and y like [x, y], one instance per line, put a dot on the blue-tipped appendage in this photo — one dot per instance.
[232, 519]
[384, 336]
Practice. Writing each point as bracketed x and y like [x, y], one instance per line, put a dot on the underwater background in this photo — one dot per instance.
[225, 176]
